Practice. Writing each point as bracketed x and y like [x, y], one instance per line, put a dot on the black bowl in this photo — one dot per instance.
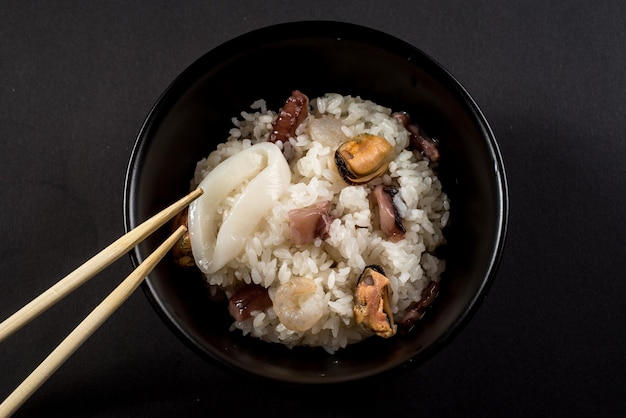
[194, 114]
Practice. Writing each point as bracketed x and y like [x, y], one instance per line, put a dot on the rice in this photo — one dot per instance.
[354, 241]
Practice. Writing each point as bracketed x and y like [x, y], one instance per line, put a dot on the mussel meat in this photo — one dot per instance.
[372, 310]
[363, 158]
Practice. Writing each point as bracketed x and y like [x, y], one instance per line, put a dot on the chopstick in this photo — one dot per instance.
[87, 327]
[92, 267]
[103, 311]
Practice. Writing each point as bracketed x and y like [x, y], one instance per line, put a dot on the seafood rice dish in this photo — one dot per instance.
[319, 222]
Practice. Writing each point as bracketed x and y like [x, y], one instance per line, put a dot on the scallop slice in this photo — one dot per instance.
[267, 172]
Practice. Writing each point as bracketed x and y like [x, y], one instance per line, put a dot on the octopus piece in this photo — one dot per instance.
[248, 299]
[363, 158]
[426, 145]
[390, 220]
[371, 308]
[295, 110]
[416, 310]
[309, 223]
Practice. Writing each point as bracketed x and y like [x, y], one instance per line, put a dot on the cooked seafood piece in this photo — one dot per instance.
[309, 223]
[299, 303]
[423, 143]
[295, 110]
[267, 174]
[363, 158]
[326, 130]
[390, 220]
[249, 298]
[181, 251]
[416, 310]
[372, 310]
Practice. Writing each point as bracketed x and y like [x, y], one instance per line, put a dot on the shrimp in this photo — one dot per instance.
[299, 303]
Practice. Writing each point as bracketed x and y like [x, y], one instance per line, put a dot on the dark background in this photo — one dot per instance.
[76, 82]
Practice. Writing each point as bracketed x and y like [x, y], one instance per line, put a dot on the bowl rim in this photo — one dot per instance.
[338, 30]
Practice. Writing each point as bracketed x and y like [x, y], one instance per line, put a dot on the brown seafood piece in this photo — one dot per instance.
[390, 220]
[295, 110]
[426, 145]
[181, 251]
[309, 223]
[363, 158]
[416, 310]
[371, 308]
[249, 298]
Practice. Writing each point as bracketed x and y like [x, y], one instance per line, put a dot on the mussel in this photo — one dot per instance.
[371, 309]
[363, 158]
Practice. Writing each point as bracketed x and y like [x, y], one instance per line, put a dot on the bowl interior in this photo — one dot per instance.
[194, 115]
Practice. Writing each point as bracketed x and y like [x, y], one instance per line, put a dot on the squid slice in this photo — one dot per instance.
[267, 172]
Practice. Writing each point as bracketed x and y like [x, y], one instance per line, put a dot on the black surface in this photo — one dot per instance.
[77, 80]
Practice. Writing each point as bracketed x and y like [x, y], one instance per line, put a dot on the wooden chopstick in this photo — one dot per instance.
[87, 327]
[92, 267]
